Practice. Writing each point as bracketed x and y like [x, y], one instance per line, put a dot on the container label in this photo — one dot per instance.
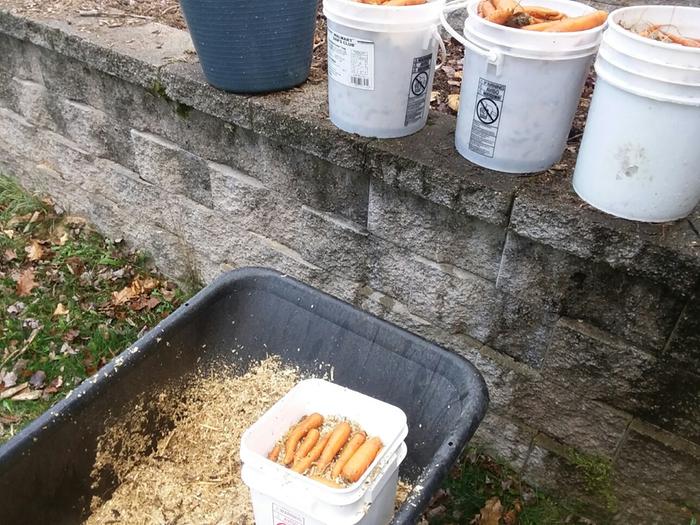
[282, 516]
[350, 60]
[487, 117]
[418, 89]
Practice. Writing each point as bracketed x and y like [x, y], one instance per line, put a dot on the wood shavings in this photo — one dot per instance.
[189, 473]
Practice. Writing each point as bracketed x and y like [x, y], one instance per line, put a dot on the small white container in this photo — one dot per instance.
[639, 156]
[381, 63]
[520, 89]
[281, 496]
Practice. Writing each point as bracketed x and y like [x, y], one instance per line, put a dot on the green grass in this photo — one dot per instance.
[476, 478]
[80, 270]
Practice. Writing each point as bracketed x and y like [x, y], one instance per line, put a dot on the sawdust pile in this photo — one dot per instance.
[189, 473]
[193, 475]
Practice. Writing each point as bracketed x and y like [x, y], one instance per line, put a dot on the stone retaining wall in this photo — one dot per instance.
[586, 328]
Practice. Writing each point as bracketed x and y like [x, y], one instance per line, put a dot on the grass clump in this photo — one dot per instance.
[70, 300]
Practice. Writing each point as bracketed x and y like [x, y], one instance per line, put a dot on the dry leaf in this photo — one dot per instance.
[8, 379]
[434, 96]
[8, 419]
[35, 217]
[72, 220]
[54, 385]
[16, 308]
[10, 234]
[491, 512]
[26, 283]
[35, 252]
[27, 395]
[68, 349]
[60, 310]
[9, 255]
[510, 517]
[63, 239]
[70, 335]
[14, 390]
[38, 379]
[453, 102]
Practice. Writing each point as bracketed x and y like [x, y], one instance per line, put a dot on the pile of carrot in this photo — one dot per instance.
[334, 458]
[532, 18]
[665, 33]
[393, 2]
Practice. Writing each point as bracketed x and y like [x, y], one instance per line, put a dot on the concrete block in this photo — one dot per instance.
[635, 308]
[164, 164]
[659, 465]
[435, 232]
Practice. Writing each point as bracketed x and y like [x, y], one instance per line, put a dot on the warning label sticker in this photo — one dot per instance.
[418, 90]
[350, 60]
[282, 516]
[487, 117]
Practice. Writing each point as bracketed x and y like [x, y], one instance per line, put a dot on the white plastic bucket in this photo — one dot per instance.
[280, 495]
[381, 63]
[520, 89]
[640, 154]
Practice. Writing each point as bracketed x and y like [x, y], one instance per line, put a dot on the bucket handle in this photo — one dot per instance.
[492, 56]
[443, 49]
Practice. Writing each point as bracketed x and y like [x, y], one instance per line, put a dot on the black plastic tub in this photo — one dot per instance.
[45, 469]
[249, 46]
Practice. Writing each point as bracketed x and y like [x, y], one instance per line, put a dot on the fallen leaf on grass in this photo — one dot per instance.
[491, 512]
[35, 251]
[10, 234]
[76, 266]
[75, 221]
[8, 419]
[9, 255]
[453, 102]
[54, 385]
[137, 287]
[18, 219]
[144, 302]
[38, 379]
[70, 335]
[60, 310]
[68, 349]
[63, 239]
[28, 395]
[8, 379]
[14, 390]
[26, 283]
[16, 308]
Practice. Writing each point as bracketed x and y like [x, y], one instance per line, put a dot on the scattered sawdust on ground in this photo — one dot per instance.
[190, 472]
[193, 475]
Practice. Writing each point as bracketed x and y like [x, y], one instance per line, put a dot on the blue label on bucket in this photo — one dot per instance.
[487, 117]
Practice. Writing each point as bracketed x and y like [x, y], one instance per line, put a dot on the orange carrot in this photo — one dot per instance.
[339, 436]
[507, 5]
[303, 464]
[307, 444]
[543, 13]
[347, 453]
[688, 42]
[500, 16]
[404, 2]
[567, 25]
[485, 8]
[274, 453]
[361, 460]
[327, 482]
[313, 421]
